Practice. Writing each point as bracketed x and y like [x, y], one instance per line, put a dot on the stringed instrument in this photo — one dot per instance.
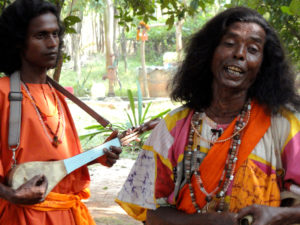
[55, 171]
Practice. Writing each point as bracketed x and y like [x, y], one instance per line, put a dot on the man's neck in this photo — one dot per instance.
[33, 75]
[226, 105]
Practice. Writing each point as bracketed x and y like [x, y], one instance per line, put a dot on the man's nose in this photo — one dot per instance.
[240, 52]
[52, 41]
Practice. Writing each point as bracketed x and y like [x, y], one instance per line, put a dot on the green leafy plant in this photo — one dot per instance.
[136, 115]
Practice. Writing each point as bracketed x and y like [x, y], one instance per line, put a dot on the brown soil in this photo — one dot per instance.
[105, 185]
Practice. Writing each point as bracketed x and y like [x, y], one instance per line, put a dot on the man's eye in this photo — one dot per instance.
[40, 35]
[55, 34]
[253, 50]
[228, 43]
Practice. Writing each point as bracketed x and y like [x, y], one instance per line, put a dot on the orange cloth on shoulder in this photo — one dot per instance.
[213, 164]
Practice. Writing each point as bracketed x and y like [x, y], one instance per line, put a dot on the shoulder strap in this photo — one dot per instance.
[78, 102]
[15, 97]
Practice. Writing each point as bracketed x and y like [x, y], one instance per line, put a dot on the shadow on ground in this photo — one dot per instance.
[105, 185]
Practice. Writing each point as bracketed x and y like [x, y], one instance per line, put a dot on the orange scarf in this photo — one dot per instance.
[55, 201]
[213, 164]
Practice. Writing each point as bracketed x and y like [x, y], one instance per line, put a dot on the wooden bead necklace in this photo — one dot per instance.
[190, 160]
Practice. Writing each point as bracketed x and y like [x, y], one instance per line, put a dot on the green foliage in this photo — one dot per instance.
[4, 4]
[136, 117]
[69, 22]
[293, 8]
[144, 10]
[161, 40]
[127, 10]
[284, 16]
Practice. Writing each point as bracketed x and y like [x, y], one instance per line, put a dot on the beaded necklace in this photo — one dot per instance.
[191, 161]
[51, 135]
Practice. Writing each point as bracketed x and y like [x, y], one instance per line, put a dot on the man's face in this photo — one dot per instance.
[41, 47]
[238, 57]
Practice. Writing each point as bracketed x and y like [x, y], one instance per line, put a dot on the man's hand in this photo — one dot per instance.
[31, 192]
[112, 155]
[266, 215]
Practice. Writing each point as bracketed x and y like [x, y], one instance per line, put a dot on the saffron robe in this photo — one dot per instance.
[36, 146]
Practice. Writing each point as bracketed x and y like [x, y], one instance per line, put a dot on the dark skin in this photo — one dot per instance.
[265, 215]
[172, 216]
[38, 55]
[241, 50]
[235, 65]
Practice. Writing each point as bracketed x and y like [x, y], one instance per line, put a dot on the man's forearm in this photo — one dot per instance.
[172, 216]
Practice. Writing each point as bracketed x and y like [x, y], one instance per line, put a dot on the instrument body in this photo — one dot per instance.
[55, 171]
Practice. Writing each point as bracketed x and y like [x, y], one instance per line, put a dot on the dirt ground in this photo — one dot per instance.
[105, 185]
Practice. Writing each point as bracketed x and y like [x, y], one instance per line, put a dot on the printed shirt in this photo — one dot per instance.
[150, 183]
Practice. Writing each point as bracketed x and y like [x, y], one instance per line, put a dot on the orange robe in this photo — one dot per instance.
[36, 146]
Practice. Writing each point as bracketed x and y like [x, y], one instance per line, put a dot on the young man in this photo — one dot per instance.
[31, 40]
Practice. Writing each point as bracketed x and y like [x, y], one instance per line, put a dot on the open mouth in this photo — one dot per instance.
[234, 70]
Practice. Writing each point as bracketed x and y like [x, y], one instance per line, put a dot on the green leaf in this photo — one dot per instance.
[160, 115]
[71, 20]
[165, 4]
[194, 4]
[295, 7]
[286, 9]
[130, 120]
[227, 6]
[128, 19]
[90, 136]
[140, 101]
[132, 106]
[262, 10]
[173, 2]
[97, 126]
[70, 30]
[170, 22]
[152, 17]
[146, 111]
[253, 3]
[202, 5]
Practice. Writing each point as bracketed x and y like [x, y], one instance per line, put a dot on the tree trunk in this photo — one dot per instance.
[57, 71]
[95, 19]
[102, 34]
[76, 46]
[56, 75]
[179, 40]
[123, 48]
[109, 37]
[144, 71]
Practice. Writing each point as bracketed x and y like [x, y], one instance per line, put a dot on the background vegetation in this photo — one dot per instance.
[101, 37]
[101, 34]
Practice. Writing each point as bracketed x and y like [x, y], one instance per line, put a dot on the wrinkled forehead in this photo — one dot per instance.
[250, 30]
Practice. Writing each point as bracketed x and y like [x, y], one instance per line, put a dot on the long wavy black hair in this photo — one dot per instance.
[274, 86]
[14, 22]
